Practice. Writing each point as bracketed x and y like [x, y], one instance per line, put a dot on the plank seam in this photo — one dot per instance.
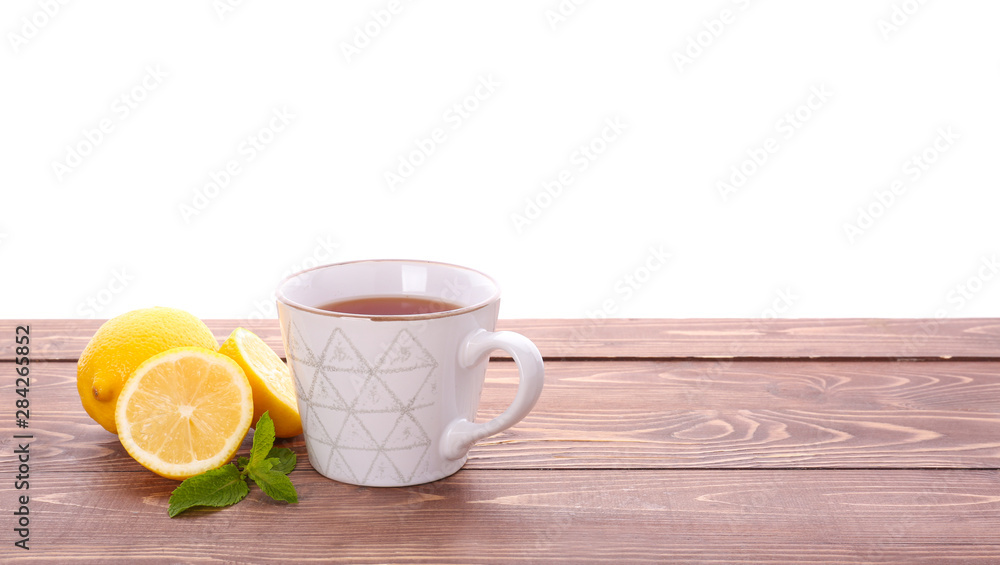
[707, 359]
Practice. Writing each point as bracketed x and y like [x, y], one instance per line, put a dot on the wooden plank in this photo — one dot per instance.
[665, 414]
[646, 338]
[819, 517]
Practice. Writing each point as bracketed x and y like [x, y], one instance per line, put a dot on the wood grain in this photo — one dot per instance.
[691, 441]
[63, 340]
[821, 517]
[667, 415]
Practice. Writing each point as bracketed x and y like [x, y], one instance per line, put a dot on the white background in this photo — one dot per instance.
[110, 234]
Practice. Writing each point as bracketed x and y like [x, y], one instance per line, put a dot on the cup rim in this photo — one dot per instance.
[281, 297]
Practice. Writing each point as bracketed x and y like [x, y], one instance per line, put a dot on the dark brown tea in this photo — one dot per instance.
[389, 306]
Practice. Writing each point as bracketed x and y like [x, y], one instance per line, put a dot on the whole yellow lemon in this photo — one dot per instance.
[122, 344]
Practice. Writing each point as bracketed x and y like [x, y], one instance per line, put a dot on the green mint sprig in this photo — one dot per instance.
[267, 465]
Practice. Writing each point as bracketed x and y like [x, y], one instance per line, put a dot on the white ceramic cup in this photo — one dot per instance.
[392, 400]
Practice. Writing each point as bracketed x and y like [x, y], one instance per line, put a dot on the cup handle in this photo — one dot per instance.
[459, 436]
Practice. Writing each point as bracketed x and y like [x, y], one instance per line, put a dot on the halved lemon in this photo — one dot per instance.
[270, 379]
[184, 411]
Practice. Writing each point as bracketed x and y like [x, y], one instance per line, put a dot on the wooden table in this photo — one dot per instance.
[723, 441]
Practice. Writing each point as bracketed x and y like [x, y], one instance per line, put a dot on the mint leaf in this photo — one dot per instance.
[267, 465]
[263, 440]
[219, 487]
[273, 482]
[286, 459]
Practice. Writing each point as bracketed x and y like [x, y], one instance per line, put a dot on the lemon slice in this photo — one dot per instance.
[270, 379]
[184, 411]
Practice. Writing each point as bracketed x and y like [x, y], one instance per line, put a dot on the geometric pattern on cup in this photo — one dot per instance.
[362, 417]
